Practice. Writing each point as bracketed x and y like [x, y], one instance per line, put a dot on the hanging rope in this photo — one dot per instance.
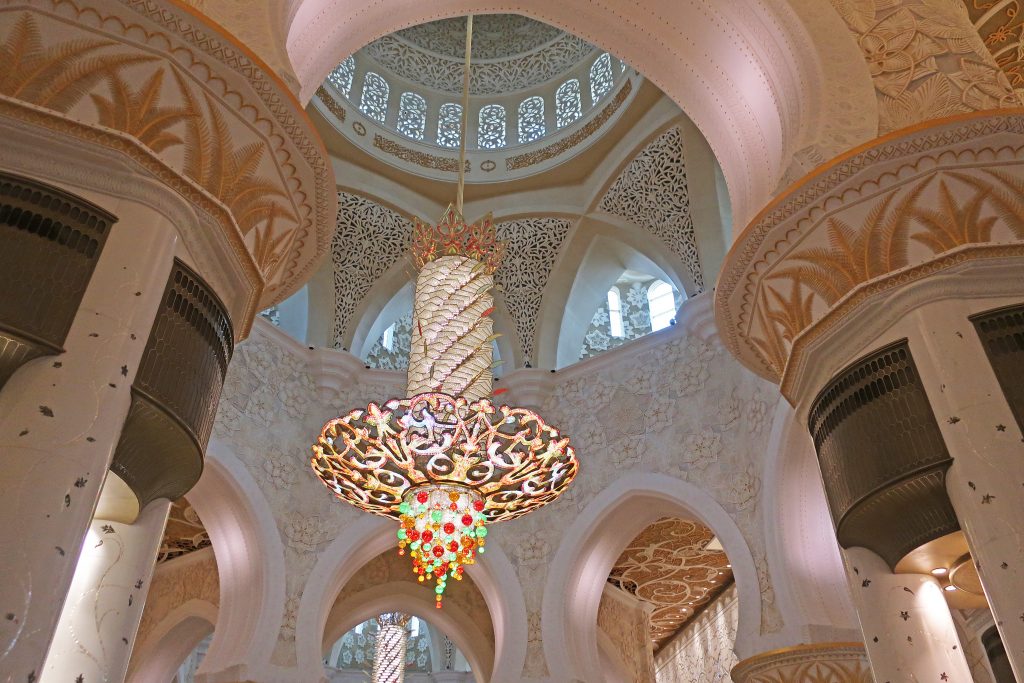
[465, 115]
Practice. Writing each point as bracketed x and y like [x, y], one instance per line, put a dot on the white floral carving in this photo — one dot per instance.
[304, 533]
[701, 450]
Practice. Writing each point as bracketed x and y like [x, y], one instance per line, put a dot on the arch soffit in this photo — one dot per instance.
[588, 550]
[171, 641]
[745, 72]
[367, 538]
[415, 600]
[250, 559]
[809, 578]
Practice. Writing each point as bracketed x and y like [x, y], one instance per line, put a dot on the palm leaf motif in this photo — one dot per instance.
[139, 113]
[793, 314]
[770, 347]
[230, 173]
[1007, 196]
[59, 76]
[952, 225]
[854, 256]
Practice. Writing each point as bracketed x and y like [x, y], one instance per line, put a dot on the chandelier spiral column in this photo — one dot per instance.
[392, 641]
[446, 461]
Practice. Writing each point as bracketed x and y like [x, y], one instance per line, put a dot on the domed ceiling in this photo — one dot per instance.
[495, 36]
[510, 53]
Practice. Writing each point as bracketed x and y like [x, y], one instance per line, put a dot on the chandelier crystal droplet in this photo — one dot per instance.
[445, 461]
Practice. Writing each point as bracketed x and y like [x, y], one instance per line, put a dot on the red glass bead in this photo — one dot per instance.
[478, 505]
[438, 551]
[449, 528]
[453, 507]
[467, 520]
[422, 496]
[453, 546]
[427, 536]
[414, 535]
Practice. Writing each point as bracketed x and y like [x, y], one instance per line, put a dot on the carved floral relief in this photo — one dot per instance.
[926, 59]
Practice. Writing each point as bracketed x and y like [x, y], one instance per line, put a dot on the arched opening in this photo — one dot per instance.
[340, 594]
[164, 653]
[578, 576]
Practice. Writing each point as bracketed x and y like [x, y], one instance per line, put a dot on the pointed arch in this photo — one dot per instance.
[591, 544]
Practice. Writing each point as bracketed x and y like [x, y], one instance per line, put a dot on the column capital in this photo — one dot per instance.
[923, 202]
[177, 103]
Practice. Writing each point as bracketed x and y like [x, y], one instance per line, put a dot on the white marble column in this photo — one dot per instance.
[908, 629]
[60, 419]
[101, 615]
[986, 481]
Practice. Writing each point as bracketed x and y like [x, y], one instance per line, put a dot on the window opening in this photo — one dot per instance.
[412, 115]
[374, 100]
[531, 119]
[567, 103]
[449, 125]
[662, 302]
[491, 133]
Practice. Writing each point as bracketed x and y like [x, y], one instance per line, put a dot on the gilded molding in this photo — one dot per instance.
[432, 161]
[891, 212]
[332, 104]
[819, 662]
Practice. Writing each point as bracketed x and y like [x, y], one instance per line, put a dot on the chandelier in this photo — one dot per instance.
[446, 461]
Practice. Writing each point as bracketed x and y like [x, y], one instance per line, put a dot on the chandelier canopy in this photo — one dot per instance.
[446, 461]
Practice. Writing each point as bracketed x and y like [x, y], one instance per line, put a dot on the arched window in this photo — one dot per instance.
[449, 125]
[567, 103]
[412, 115]
[615, 313]
[531, 119]
[341, 77]
[374, 102]
[491, 133]
[662, 302]
[600, 77]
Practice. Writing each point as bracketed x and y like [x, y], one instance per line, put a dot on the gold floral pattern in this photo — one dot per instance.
[817, 663]
[1000, 23]
[926, 60]
[669, 566]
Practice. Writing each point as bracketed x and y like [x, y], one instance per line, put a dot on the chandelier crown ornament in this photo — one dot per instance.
[445, 461]
[453, 236]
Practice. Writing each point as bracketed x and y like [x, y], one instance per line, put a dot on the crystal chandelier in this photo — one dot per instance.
[446, 461]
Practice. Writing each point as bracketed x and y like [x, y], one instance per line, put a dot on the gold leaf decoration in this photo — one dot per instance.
[59, 76]
[952, 225]
[139, 113]
[854, 255]
[230, 173]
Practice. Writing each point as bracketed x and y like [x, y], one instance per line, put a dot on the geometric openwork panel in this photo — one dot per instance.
[533, 246]
[651, 192]
[1002, 333]
[883, 460]
[669, 566]
[51, 243]
[369, 240]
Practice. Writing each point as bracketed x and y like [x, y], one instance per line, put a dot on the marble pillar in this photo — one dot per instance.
[986, 480]
[101, 615]
[908, 629]
[845, 662]
[60, 419]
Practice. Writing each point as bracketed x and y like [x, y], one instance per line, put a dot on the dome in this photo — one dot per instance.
[534, 89]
